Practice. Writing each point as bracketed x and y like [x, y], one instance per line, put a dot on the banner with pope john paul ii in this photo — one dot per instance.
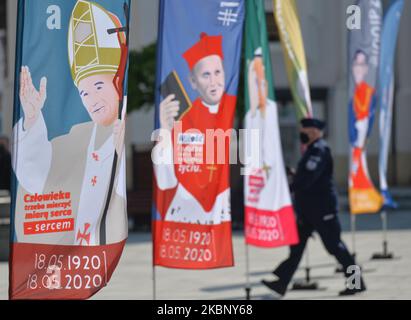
[69, 219]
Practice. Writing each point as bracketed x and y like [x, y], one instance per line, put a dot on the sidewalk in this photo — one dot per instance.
[389, 279]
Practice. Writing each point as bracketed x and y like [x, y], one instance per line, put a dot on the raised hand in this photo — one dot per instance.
[168, 112]
[32, 101]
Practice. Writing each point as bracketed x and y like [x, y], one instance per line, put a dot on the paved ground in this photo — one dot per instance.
[385, 279]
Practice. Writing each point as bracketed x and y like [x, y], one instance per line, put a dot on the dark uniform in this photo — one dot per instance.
[316, 207]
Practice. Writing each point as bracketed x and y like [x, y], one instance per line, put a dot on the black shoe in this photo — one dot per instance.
[275, 286]
[350, 292]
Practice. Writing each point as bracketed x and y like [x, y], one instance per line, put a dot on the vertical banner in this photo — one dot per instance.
[199, 52]
[269, 215]
[363, 55]
[286, 16]
[69, 219]
[389, 36]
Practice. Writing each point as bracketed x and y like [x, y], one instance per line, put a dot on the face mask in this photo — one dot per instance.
[304, 138]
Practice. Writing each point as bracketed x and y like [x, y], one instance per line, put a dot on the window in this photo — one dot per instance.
[272, 31]
[3, 10]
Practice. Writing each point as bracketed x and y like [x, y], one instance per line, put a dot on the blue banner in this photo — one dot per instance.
[69, 219]
[363, 60]
[389, 37]
[199, 50]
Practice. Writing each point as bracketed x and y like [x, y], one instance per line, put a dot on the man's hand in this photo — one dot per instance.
[290, 171]
[32, 101]
[168, 112]
[290, 176]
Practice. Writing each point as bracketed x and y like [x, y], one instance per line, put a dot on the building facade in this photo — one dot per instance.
[324, 31]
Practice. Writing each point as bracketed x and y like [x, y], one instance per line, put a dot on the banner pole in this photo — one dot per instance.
[384, 231]
[154, 282]
[385, 255]
[353, 234]
[340, 268]
[306, 284]
[307, 265]
[153, 265]
[247, 274]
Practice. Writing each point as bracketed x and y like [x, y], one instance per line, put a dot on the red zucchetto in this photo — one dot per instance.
[206, 46]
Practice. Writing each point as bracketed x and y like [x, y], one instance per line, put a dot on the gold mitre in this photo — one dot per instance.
[92, 50]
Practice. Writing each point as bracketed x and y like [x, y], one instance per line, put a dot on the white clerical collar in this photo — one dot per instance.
[212, 108]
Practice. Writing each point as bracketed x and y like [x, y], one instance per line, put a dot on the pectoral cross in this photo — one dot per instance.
[211, 169]
[84, 235]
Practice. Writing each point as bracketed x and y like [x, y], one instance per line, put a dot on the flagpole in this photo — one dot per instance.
[307, 265]
[121, 115]
[385, 255]
[384, 231]
[154, 282]
[306, 284]
[153, 265]
[247, 274]
[340, 268]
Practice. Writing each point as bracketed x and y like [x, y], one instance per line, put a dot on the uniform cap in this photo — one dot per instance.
[313, 123]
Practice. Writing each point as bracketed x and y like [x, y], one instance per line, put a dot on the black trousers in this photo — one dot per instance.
[330, 233]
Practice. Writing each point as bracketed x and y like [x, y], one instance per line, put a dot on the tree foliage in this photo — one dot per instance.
[141, 78]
